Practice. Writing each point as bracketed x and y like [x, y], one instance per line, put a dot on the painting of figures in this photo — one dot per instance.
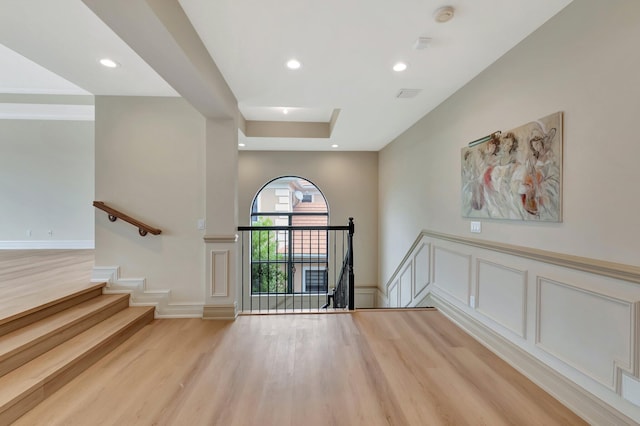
[516, 174]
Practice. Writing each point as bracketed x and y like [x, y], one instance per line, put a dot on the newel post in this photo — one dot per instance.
[352, 296]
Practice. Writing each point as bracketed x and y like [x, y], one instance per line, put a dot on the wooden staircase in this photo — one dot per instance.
[45, 346]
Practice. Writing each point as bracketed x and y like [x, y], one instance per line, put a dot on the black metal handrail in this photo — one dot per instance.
[286, 268]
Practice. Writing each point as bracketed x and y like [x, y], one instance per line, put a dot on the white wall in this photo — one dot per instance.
[348, 180]
[46, 183]
[150, 165]
[584, 62]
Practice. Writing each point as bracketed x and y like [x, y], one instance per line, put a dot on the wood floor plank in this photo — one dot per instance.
[31, 278]
[367, 368]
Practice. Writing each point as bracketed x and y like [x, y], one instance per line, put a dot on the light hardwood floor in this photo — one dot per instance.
[33, 277]
[367, 368]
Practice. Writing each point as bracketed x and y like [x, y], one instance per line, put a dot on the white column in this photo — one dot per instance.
[221, 219]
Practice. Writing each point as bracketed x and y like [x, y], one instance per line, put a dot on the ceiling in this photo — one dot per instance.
[347, 49]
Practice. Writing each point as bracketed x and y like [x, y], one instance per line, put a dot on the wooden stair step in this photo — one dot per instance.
[29, 342]
[32, 308]
[28, 385]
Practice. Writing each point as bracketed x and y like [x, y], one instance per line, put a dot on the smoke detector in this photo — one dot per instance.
[444, 14]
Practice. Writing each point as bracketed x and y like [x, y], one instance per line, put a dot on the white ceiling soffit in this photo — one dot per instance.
[21, 76]
[67, 38]
[347, 50]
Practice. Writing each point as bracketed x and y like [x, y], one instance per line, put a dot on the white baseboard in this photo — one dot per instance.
[381, 300]
[220, 312]
[141, 296]
[583, 403]
[47, 245]
[365, 297]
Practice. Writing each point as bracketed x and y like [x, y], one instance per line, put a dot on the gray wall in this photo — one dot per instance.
[582, 326]
[46, 183]
[348, 180]
[584, 62]
[150, 165]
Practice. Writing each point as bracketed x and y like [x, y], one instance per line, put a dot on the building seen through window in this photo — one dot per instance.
[283, 259]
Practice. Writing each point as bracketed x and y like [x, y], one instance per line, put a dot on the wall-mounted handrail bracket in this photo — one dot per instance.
[113, 215]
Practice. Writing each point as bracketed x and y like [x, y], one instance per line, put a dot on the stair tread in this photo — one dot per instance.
[47, 366]
[35, 301]
[32, 334]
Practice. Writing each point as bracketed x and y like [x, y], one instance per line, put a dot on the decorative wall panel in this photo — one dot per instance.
[421, 268]
[219, 286]
[501, 295]
[406, 285]
[393, 295]
[570, 319]
[452, 273]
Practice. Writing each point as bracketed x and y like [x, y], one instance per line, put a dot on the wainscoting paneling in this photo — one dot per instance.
[452, 273]
[421, 269]
[501, 295]
[405, 286]
[365, 297]
[575, 331]
[393, 295]
[570, 319]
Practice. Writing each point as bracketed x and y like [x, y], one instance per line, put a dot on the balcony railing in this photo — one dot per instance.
[296, 268]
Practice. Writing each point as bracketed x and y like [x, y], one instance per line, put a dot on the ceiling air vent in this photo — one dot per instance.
[408, 93]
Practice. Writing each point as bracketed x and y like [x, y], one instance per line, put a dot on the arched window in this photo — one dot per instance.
[283, 259]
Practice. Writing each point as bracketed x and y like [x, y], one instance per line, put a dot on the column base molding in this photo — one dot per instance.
[220, 312]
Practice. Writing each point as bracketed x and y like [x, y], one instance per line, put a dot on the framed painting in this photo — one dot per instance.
[516, 174]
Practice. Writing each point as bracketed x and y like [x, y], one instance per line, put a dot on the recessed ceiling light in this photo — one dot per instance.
[241, 144]
[400, 66]
[293, 64]
[335, 145]
[109, 63]
[285, 111]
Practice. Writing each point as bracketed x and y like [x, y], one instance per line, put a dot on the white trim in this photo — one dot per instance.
[521, 331]
[381, 299]
[219, 273]
[183, 310]
[406, 276]
[42, 91]
[626, 365]
[220, 238]
[366, 297]
[47, 244]
[586, 405]
[594, 266]
[20, 111]
[417, 290]
[436, 269]
[220, 312]
[140, 296]
[105, 274]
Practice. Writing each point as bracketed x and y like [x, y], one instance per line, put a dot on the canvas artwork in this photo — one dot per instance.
[517, 174]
